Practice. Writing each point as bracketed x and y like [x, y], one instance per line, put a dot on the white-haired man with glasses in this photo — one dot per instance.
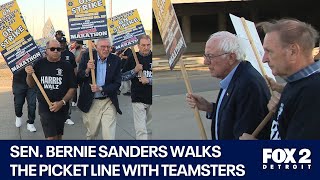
[99, 102]
[244, 94]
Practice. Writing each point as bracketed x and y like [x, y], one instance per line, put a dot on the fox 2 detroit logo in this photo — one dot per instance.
[286, 159]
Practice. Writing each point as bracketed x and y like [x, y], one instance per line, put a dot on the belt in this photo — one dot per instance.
[100, 98]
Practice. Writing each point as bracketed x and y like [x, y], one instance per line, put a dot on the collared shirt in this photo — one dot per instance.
[101, 74]
[284, 101]
[305, 72]
[224, 84]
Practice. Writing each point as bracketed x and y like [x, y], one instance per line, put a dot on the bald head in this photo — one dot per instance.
[53, 50]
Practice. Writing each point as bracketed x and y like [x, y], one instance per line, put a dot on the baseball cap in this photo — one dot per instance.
[60, 32]
[62, 39]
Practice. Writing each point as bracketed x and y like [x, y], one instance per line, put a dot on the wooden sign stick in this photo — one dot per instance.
[42, 90]
[136, 59]
[189, 90]
[89, 42]
[256, 54]
[125, 51]
[262, 124]
[254, 48]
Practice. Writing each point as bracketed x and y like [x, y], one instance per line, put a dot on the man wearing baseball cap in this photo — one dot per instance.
[59, 34]
[68, 56]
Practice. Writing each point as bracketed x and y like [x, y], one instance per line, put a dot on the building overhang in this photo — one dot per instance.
[199, 1]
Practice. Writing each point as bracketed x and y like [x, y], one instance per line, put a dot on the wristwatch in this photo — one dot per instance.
[64, 102]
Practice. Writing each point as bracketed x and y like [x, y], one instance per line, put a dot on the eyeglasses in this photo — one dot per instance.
[210, 57]
[55, 48]
[103, 47]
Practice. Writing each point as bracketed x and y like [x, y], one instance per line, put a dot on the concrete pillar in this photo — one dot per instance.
[222, 21]
[186, 28]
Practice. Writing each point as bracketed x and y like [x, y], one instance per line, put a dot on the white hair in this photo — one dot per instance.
[229, 43]
[103, 39]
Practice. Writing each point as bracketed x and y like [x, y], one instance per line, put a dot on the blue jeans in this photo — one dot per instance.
[22, 92]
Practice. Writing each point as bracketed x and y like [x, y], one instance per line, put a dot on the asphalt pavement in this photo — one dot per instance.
[8, 130]
[172, 118]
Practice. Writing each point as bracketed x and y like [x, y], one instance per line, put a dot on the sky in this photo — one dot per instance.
[36, 12]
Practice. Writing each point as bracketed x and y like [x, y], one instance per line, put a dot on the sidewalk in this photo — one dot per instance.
[172, 119]
[191, 61]
[8, 130]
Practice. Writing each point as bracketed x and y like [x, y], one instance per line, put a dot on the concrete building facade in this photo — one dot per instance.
[200, 18]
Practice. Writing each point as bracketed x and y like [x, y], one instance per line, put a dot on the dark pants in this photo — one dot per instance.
[52, 123]
[22, 92]
[75, 97]
[68, 116]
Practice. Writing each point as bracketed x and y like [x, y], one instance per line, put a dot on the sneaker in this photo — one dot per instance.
[31, 128]
[69, 121]
[18, 122]
[127, 94]
[73, 104]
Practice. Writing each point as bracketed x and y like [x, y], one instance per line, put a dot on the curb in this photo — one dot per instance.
[190, 61]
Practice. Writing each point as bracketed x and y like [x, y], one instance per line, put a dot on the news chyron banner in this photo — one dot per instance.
[125, 29]
[87, 19]
[170, 30]
[48, 31]
[16, 44]
[128, 159]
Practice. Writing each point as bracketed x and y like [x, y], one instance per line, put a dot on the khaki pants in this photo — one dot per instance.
[102, 112]
[142, 120]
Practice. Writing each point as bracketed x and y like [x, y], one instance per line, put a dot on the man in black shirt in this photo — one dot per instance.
[125, 55]
[68, 56]
[141, 89]
[78, 52]
[22, 92]
[59, 34]
[58, 80]
[288, 48]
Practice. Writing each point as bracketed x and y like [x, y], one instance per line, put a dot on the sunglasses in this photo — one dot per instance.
[55, 48]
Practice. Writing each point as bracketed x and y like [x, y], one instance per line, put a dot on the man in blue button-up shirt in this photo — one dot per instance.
[99, 102]
[244, 94]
